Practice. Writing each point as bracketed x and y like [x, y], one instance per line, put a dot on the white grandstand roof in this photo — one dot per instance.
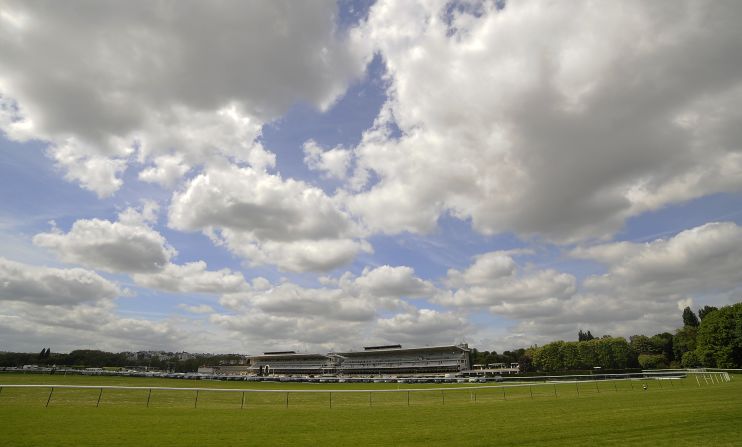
[402, 350]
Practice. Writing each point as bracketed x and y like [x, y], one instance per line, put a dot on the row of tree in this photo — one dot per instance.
[711, 339]
[92, 358]
[606, 352]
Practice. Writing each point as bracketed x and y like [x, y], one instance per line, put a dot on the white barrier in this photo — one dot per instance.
[709, 377]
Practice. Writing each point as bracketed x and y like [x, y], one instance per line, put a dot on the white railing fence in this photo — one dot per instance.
[544, 386]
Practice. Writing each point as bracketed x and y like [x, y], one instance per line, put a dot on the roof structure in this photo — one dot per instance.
[287, 356]
[402, 350]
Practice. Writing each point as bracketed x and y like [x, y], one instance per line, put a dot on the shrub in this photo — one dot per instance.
[652, 361]
[691, 360]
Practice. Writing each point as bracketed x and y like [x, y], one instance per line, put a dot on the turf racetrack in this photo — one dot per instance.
[610, 413]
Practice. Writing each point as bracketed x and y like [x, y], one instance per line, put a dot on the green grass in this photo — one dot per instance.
[617, 413]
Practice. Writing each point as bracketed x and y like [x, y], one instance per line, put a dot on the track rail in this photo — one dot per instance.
[714, 376]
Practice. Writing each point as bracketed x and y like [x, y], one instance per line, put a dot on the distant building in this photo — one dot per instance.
[153, 355]
[182, 356]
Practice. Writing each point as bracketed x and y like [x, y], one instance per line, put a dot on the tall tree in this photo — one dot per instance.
[689, 318]
[705, 310]
[641, 344]
[719, 341]
[652, 361]
[684, 341]
[690, 360]
[663, 343]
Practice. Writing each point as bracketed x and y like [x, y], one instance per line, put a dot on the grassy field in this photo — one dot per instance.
[613, 413]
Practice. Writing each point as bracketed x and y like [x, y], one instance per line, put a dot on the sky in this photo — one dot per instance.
[248, 176]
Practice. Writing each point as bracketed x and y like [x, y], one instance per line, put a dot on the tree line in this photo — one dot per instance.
[93, 358]
[711, 339]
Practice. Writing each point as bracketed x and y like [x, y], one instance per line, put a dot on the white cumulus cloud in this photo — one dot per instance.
[623, 108]
[193, 277]
[128, 245]
[106, 84]
[268, 220]
[46, 285]
[332, 162]
[423, 327]
[643, 290]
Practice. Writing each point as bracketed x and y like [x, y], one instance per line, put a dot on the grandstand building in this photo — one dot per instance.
[289, 363]
[373, 360]
[395, 360]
